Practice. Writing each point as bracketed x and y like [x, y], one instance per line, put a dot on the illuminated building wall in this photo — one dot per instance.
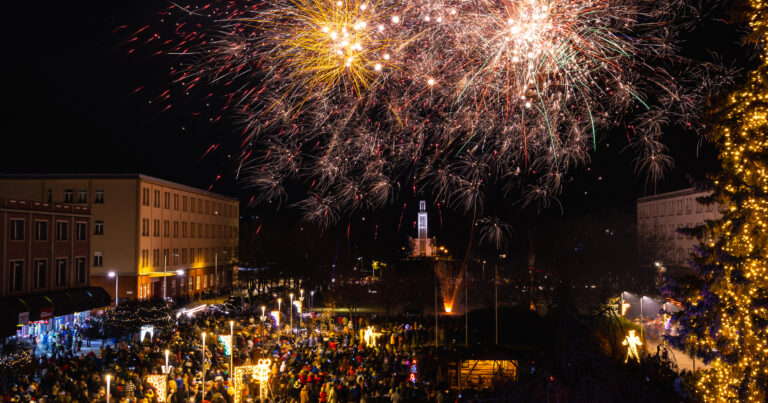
[136, 220]
[659, 217]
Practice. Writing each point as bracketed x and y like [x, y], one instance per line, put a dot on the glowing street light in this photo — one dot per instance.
[279, 301]
[232, 349]
[110, 275]
[291, 313]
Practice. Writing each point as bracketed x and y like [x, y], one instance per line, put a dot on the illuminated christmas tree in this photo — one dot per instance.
[725, 316]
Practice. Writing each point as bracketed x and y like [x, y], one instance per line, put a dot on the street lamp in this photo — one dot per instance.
[279, 300]
[291, 312]
[232, 348]
[311, 299]
[113, 274]
[203, 365]
[165, 281]
[109, 377]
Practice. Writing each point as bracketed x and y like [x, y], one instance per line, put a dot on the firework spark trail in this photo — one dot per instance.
[359, 100]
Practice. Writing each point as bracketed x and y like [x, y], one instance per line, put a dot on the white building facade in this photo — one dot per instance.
[660, 216]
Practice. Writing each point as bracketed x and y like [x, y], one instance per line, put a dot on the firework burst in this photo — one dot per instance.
[355, 100]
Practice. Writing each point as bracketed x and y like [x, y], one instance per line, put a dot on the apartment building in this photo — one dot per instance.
[660, 216]
[145, 231]
[45, 266]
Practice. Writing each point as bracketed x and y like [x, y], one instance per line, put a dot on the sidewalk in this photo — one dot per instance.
[683, 361]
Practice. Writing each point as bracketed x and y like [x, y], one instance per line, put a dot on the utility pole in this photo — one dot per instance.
[165, 264]
[496, 299]
[466, 310]
[437, 342]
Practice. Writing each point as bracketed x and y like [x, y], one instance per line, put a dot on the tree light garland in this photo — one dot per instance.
[725, 316]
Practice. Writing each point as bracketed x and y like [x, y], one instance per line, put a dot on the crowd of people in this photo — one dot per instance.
[326, 359]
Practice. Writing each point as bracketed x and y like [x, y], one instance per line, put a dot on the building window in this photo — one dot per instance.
[199, 230]
[82, 196]
[207, 231]
[98, 228]
[166, 228]
[175, 256]
[200, 256]
[155, 257]
[167, 200]
[156, 200]
[68, 195]
[192, 204]
[40, 273]
[145, 227]
[81, 231]
[98, 197]
[16, 275]
[145, 196]
[175, 229]
[17, 230]
[175, 201]
[80, 270]
[155, 227]
[200, 206]
[144, 257]
[184, 229]
[197, 282]
[50, 195]
[183, 255]
[98, 259]
[61, 271]
[207, 207]
[62, 231]
[41, 230]
[165, 257]
[191, 229]
[183, 203]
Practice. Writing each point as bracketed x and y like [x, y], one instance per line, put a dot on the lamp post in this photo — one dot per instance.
[301, 304]
[113, 274]
[642, 321]
[466, 310]
[279, 300]
[496, 299]
[203, 365]
[216, 272]
[291, 313]
[232, 347]
[311, 300]
[179, 273]
[109, 377]
[165, 281]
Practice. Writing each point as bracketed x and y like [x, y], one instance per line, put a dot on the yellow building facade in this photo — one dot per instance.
[144, 229]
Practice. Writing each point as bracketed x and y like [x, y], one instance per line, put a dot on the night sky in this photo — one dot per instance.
[69, 82]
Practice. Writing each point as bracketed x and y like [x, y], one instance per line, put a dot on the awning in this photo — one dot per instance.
[40, 307]
[62, 303]
[101, 297]
[83, 299]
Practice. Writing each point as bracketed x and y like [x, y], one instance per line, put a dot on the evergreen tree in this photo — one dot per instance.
[725, 315]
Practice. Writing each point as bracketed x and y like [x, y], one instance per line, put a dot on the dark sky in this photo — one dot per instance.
[69, 83]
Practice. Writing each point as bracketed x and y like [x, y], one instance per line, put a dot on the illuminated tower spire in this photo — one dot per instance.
[422, 244]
